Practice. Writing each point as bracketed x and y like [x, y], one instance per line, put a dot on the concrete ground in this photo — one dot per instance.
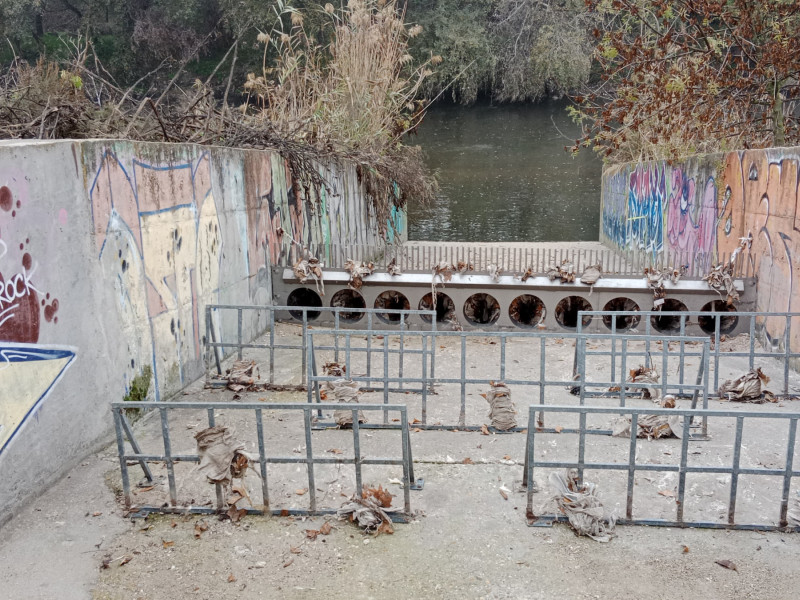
[467, 540]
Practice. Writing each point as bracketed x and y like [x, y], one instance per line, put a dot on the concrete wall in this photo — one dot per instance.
[699, 208]
[109, 252]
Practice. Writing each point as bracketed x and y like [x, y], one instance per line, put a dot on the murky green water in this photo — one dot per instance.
[505, 176]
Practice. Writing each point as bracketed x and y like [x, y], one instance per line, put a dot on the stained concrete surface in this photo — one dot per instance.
[467, 540]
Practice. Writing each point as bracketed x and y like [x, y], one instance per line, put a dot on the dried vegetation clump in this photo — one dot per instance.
[353, 98]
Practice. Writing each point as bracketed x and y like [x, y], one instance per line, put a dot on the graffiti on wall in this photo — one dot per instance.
[158, 237]
[692, 218]
[615, 204]
[762, 200]
[647, 194]
[28, 370]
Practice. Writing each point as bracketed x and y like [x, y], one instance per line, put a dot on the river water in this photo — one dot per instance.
[505, 176]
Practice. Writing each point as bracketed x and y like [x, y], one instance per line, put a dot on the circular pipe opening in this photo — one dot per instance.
[567, 311]
[481, 309]
[445, 307]
[304, 297]
[668, 323]
[391, 300]
[527, 311]
[621, 322]
[348, 298]
[726, 324]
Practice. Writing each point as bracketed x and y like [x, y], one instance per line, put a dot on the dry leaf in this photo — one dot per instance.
[174, 524]
[288, 562]
[484, 429]
[503, 493]
[416, 430]
[147, 489]
[667, 493]
[415, 421]
[382, 496]
[199, 528]
[467, 461]
[231, 578]
[334, 451]
[385, 527]
[395, 420]
[297, 550]
[167, 544]
[301, 491]
[558, 428]
[125, 560]
[96, 514]
[284, 512]
[326, 528]
[506, 457]
[312, 534]
[106, 563]
[236, 514]
[686, 549]
[727, 564]
[323, 395]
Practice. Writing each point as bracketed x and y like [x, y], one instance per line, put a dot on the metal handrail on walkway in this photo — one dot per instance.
[735, 470]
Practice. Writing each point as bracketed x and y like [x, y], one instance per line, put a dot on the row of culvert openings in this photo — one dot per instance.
[525, 311]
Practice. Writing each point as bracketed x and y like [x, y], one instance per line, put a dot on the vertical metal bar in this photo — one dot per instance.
[682, 471]
[336, 335]
[312, 489]
[357, 452]
[682, 355]
[542, 378]
[502, 357]
[787, 349]
[752, 340]
[408, 468]
[527, 475]
[787, 473]
[462, 416]
[402, 351]
[664, 365]
[123, 463]
[716, 349]
[369, 344]
[271, 344]
[385, 378]
[239, 333]
[216, 348]
[632, 464]
[304, 344]
[217, 487]
[173, 492]
[613, 348]
[581, 346]
[424, 380]
[737, 453]
[262, 461]
[623, 370]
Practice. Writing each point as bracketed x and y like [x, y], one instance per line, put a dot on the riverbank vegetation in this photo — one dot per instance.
[648, 78]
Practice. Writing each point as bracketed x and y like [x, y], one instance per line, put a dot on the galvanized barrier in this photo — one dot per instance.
[631, 467]
[781, 347]
[421, 377]
[294, 313]
[169, 459]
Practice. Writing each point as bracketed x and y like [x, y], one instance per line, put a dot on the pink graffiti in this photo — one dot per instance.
[692, 221]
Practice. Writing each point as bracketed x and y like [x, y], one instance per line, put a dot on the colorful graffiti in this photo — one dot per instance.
[28, 371]
[158, 238]
[762, 200]
[677, 212]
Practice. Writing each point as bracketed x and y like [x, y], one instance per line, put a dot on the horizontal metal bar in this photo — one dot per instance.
[629, 410]
[331, 309]
[549, 519]
[255, 405]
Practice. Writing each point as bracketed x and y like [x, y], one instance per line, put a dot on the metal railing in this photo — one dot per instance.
[305, 315]
[632, 467]
[781, 346]
[169, 460]
[422, 377]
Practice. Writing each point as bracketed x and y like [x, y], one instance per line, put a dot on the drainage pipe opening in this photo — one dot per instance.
[391, 300]
[307, 298]
[567, 312]
[665, 323]
[445, 307]
[727, 323]
[527, 311]
[481, 309]
[621, 322]
[348, 298]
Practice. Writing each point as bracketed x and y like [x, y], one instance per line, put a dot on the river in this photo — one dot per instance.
[505, 176]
